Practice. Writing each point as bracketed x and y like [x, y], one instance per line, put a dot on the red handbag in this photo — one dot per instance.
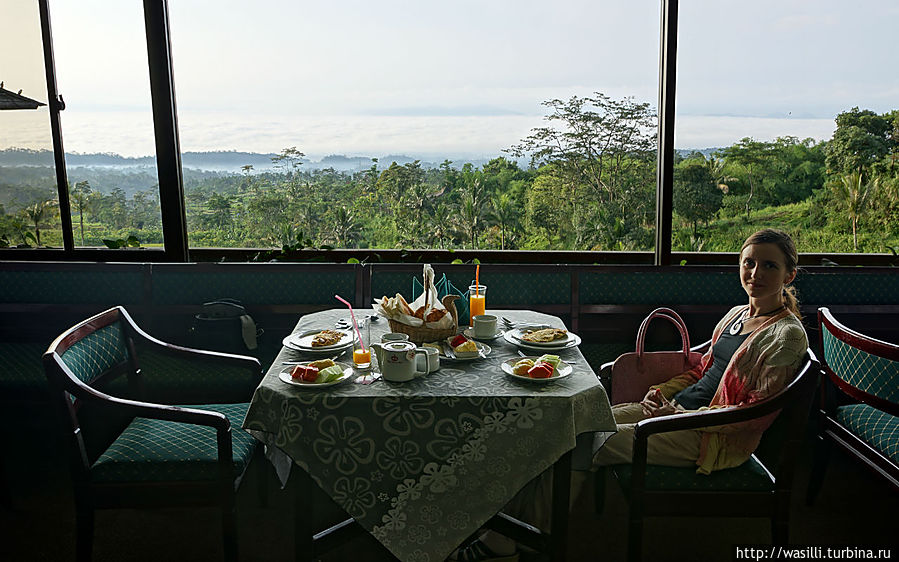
[633, 373]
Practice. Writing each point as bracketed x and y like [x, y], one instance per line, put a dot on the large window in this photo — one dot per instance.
[101, 65]
[787, 117]
[478, 126]
[396, 124]
[29, 215]
[101, 70]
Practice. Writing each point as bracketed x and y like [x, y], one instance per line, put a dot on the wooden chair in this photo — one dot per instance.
[859, 402]
[757, 488]
[126, 453]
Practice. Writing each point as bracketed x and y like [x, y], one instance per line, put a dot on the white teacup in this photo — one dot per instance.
[431, 358]
[394, 336]
[484, 326]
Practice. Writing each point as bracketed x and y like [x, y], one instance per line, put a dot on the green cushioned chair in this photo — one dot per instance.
[859, 402]
[760, 487]
[128, 453]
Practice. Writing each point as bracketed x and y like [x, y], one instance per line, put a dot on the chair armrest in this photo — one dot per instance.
[605, 376]
[137, 408]
[703, 347]
[230, 359]
[807, 376]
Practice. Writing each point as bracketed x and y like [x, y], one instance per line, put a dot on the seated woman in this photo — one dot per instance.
[756, 350]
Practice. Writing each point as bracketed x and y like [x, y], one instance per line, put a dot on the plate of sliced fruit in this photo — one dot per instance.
[542, 369]
[323, 373]
[461, 348]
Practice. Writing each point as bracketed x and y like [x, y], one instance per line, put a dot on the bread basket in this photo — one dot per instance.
[420, 334]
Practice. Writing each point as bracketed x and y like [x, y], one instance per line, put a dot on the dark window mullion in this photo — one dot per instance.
[55, 105]
[665, 172]
[165, 122]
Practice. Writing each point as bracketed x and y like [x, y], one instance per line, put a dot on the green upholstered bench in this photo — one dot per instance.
[664, 287]
[21, 372]
[264, 284]
[542, 288]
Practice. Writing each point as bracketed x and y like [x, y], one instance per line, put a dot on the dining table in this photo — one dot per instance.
[423, 465]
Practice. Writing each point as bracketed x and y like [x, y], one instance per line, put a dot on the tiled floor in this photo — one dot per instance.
[853, 509]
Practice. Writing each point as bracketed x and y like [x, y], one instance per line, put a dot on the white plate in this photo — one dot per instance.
[284, 375]
[574, 342]
[483, 351]
[469, 333]
[518, 334]
[303, 341]
[563, 370]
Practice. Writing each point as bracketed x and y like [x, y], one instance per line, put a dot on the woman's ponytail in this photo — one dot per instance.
[791, 301]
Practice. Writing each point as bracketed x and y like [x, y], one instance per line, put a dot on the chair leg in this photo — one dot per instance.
[599, 490]
[262, 469]
[229, 534]
[5, 494]
[303, 516]
[634, 534]
[84, 534]
[819, 468]
[780, 531]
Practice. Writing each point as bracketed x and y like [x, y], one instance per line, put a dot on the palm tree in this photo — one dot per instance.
[81, 194]
[855, 194]
[504, 214]
[38, 214]
[344, 227]
[719, 176]
[471, 215]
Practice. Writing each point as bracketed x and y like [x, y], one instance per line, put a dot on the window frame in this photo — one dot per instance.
[171, 186]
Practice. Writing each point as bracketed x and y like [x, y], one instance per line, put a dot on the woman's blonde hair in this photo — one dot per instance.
[791, 260]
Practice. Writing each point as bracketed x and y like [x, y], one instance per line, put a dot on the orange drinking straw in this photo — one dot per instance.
[477, 280]
[353, 316]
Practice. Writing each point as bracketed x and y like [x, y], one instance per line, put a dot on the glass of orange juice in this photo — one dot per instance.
[361, 349]
[477, 300]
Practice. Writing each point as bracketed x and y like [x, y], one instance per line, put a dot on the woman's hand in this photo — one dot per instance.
[655, 404]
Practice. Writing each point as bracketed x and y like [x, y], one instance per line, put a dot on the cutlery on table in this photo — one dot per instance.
[448, 351]
[310, 360]
[367, 379]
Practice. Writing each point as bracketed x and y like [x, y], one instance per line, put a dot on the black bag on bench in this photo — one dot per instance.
[224, 325]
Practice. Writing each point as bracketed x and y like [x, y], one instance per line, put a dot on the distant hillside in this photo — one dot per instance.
[230, 161]
[684, 152]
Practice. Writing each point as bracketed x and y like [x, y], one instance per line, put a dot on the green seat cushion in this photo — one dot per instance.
[152, 450]
[748, 477]
[875, 427]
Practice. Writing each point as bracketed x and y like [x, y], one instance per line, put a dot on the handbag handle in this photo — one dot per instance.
[672, 317]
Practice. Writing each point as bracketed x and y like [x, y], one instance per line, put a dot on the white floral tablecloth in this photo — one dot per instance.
[422, 465]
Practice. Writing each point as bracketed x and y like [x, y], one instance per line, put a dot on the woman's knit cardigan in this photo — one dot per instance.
[762, 366]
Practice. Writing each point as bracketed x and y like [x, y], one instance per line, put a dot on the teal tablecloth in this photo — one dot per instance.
[422, 465]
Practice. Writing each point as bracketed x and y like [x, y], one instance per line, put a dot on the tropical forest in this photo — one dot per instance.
[585, 180]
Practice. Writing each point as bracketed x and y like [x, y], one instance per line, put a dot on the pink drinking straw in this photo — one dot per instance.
[353, 316]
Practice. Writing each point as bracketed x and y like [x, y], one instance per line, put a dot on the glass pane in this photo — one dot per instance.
[101, 64]
[29, 208]
[787, 117]
[396, 124]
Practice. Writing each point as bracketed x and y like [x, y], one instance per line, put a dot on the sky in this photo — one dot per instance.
[464, 78]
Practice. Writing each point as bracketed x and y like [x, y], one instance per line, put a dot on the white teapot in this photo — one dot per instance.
[396, 360]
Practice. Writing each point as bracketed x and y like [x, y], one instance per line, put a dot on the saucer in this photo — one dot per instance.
[469, 333]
